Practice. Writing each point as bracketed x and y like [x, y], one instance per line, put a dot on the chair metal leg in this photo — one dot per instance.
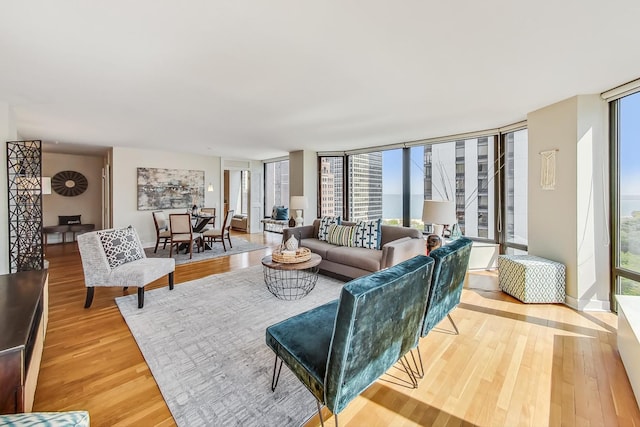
[320, 413]
[407, 368]
[89, 299]
[453, 323]
[140, 297]
[229, 237]
[419, 369]
[275, 378]
[171, 281]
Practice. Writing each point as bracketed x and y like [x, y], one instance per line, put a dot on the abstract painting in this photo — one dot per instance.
[169, 188]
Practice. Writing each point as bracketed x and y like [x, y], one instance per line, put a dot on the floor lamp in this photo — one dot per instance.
[298, 203]
[439, 213]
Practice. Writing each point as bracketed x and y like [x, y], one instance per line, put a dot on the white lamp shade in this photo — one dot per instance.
[298, 202]
[46, 185]
[439, 212]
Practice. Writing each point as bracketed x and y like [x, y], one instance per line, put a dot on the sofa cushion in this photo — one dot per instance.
[341, 235]
[395, 232]
[120, 246]
[325, 222]
[365, 259]
[317, 246]
[367, 234]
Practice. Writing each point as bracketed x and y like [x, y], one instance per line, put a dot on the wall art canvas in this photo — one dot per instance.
[169, 188]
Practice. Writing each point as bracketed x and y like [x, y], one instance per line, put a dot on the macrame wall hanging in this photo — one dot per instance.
[548, 169]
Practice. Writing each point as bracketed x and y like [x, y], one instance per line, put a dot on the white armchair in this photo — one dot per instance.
[115, 257]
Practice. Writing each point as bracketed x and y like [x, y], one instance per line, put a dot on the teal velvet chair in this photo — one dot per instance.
[339, 349]
[449, 270]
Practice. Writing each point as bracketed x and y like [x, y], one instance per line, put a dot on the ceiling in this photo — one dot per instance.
[258, 79]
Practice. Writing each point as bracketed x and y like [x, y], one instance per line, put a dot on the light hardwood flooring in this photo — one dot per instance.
[512, 364]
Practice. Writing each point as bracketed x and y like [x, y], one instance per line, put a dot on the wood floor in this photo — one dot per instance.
[512, 364]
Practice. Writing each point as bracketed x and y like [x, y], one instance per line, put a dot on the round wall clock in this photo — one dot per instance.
[69, 183]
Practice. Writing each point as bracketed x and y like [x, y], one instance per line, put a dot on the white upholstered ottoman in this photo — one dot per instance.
[532, 279]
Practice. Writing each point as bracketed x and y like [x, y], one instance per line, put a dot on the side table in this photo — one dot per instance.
[291, 281]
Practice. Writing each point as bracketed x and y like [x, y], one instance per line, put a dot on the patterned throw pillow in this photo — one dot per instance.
[367, 234]
[274, 211]
[325, 222]
[341, 235]
[120, 246]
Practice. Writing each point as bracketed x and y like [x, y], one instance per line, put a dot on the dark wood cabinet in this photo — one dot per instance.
[24, 309]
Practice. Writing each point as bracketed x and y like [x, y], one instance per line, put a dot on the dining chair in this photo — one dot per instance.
[162, 229]
[219, 234]
[211, 212]
[181, 232]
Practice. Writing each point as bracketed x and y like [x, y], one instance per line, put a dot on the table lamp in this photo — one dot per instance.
[298, 203]
[439, 213]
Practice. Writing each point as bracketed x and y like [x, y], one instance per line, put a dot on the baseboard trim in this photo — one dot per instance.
[587, 305]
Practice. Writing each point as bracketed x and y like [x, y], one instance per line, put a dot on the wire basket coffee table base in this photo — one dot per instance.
[290, 281]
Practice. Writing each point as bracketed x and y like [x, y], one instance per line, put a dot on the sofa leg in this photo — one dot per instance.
[171, 281]
[140, 297]
[89, 299]
[275, 378]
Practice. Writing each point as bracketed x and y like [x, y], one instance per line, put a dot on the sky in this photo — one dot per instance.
[630, 145]
[392, 171]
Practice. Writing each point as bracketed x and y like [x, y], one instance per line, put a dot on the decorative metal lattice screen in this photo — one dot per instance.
[24, 174]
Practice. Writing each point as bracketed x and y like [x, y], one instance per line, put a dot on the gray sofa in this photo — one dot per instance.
[397, 244]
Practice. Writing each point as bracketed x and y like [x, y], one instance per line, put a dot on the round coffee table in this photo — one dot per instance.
[291, 281]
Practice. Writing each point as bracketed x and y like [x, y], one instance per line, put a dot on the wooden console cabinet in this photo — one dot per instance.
[24, 302]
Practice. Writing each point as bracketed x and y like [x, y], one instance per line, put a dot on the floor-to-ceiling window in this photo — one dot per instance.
[392, 184]
[276, 185]
[331, 186]
[365, 186]
[463, 171]
[514, 209]
[625, 126]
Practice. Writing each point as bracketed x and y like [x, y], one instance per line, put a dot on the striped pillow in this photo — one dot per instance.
[341, 235]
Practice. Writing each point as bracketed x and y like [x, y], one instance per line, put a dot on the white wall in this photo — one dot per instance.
[87, 204]
[7, 133]
[125, 192]
[569, 224]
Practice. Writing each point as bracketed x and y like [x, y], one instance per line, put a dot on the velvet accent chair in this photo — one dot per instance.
[339, 349]
[162, 229]
[219, 234]
[182, 233]
[449, 271]
[115, 257]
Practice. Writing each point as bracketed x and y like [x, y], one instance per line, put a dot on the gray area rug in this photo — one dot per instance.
[204, 342]
[239, 246]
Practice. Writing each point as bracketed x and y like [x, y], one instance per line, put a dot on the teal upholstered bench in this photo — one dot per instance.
[46, 419]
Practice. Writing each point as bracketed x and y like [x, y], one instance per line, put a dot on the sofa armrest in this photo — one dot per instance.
[401, 250]
[303, 232]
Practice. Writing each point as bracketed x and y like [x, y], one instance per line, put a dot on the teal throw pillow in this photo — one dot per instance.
[282, 213]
